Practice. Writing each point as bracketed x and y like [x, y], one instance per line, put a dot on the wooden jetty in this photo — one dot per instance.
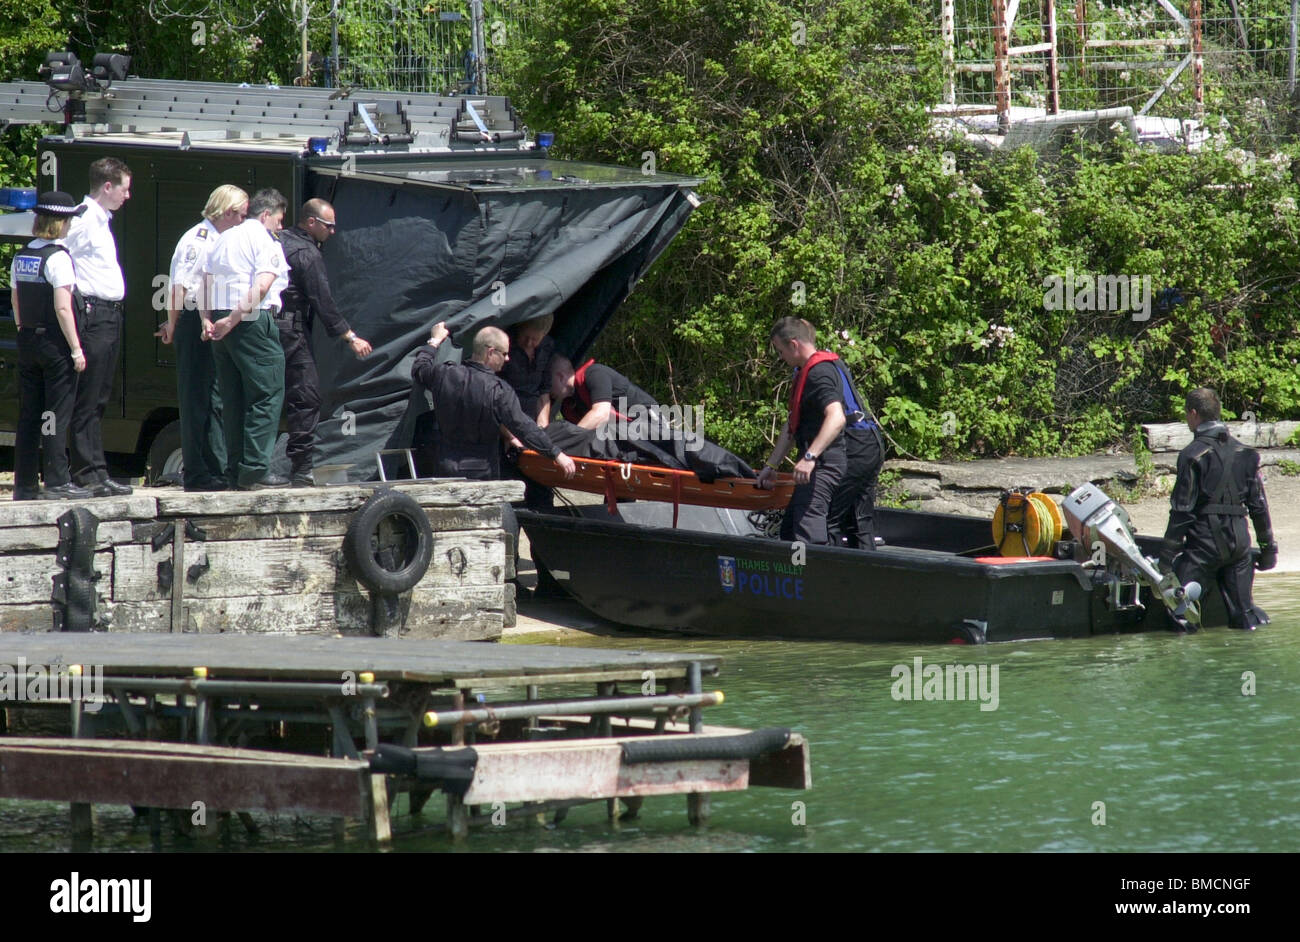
[272, 561]
[379, 716]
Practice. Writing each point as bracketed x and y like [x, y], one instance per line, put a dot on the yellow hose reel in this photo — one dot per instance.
[1027, 524]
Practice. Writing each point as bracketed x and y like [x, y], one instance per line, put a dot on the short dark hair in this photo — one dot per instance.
[1205, 403]
[107, 170]
[314, 207]
[793, 328]
[271, 200]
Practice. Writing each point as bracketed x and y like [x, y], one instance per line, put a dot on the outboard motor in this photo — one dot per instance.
[1094, 518]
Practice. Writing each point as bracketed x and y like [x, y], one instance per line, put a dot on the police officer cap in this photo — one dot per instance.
[58, 203]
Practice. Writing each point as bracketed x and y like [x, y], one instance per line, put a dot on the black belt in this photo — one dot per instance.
[103, 302]
[1225, 510]
[34, 330]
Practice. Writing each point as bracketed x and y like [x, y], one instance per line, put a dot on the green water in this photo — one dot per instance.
[1154, 726]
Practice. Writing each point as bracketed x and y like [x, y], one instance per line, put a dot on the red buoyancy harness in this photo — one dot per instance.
[569, 408]
[796, 395]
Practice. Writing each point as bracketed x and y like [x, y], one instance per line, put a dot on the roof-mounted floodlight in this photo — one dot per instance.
[63, 72]
[110, 66]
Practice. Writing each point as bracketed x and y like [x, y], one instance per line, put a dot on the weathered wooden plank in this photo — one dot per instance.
[26, 539]
[279, 526]
[462, 614]
[342, 498]
[128, 776]
[790, 767]
[1174, 436]
[35, 513]
[297, 565]
[28, 577]
[35, 617]
[233, 655]
[551, 771]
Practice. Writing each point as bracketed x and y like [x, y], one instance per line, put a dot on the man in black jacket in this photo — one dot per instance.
[472, 408]
[1217, 487]
[306, 298]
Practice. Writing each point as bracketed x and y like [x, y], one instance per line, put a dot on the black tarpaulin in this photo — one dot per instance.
[471, 246]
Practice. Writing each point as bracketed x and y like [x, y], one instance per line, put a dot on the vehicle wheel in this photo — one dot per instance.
[165, 457]
[389, 542]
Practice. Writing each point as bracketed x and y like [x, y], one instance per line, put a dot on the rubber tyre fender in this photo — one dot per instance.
[361, 543]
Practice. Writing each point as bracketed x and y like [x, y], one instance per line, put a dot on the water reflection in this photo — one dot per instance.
[1152, 730]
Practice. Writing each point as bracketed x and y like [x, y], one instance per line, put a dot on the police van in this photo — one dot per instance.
[448, 208]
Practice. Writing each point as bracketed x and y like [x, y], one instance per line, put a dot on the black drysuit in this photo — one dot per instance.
[461, 437]
[1217, 487]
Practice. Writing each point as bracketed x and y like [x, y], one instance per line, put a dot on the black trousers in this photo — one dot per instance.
[807, 516]
[301, 394]
[101, 341]
[853, 506]
[1227, 564]
[47, 388]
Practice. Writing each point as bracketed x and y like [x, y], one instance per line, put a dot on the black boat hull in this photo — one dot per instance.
[717, 579]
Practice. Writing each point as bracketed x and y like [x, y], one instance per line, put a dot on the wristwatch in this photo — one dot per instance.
[809, 456]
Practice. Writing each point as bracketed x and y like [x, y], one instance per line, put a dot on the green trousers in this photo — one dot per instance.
[203, 437]
[250, 373]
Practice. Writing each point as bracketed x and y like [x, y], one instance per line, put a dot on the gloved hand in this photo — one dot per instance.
[1168, 550]
[1267, 558]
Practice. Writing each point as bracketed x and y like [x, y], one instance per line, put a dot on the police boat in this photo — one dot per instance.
[1045, 571]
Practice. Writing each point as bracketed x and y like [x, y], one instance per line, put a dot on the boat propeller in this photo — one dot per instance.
[1097, 521]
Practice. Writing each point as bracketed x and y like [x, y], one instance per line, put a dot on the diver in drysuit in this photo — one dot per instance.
[1217, 487]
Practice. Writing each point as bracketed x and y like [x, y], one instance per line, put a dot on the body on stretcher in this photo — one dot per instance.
[618, 480]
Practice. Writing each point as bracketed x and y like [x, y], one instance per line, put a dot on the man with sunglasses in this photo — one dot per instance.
[306, 298]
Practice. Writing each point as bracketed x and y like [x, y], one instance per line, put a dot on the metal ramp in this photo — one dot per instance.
[348, 120]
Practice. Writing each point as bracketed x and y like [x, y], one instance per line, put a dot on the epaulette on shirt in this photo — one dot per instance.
[203, 233]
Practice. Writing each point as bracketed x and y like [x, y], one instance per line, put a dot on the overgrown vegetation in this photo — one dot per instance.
[923, 262]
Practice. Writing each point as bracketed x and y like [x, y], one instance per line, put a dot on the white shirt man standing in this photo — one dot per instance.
[244, 275]
[203, 437]
[99, 277]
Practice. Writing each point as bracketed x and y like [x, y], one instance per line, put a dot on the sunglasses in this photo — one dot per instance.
[328, 225]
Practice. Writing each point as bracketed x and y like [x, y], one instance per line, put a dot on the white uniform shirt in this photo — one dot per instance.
[91, 243]
[189, 258]
[240, 255]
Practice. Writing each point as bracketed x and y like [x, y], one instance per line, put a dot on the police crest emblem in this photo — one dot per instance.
[727, 572]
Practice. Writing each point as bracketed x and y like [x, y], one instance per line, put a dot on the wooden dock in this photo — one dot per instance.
[273, 561]
[385, 711]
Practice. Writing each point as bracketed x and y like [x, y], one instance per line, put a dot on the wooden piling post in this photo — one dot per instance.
[1053, 66]
[380, 827]
[698, 806]
[1001, 67]
[1198, 62]
[81, 815]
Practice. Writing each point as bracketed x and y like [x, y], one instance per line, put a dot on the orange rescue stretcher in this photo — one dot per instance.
[616, 479]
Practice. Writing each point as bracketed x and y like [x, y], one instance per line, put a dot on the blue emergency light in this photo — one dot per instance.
[318, 145]
[545, 138]
[17, 198]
